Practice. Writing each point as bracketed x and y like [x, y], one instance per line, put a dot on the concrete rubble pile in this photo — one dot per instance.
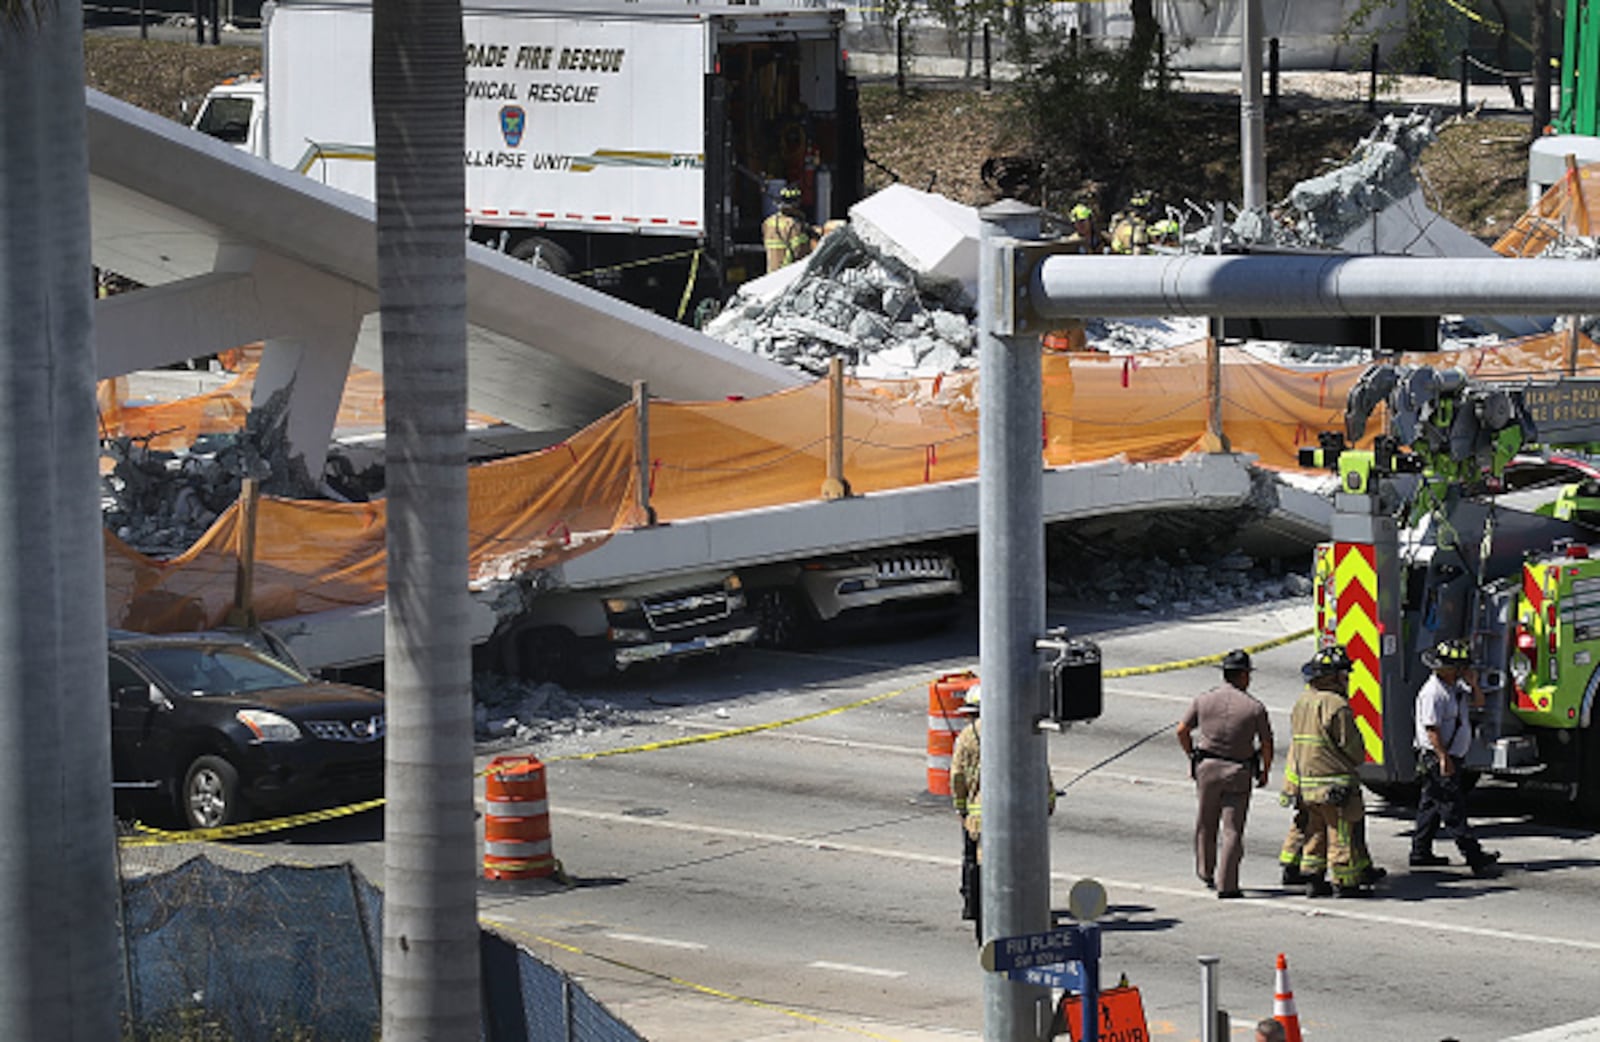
[891, 292]
[516, 712]
[859, 302]
[1190, 581]
[1325, 210]
[160, 502]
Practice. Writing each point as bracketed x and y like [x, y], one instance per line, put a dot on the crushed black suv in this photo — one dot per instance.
[221, 726]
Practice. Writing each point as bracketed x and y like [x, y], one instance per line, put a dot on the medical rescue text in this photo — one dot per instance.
[537, 58]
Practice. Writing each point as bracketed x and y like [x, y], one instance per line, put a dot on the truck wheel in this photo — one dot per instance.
[210, 795]
[781, 620]
[542, 253]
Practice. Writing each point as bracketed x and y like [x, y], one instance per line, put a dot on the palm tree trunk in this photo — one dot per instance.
[58, 876]
[430, 934]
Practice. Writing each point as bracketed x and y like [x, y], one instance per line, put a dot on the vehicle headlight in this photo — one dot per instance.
[620, 605]
[269, 727]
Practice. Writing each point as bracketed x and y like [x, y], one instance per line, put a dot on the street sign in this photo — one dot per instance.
[1121, 1017]
[1053, 948]
[1068, 976]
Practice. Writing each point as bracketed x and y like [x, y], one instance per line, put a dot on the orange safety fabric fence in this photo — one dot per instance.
[706, 458]
[1571, 206]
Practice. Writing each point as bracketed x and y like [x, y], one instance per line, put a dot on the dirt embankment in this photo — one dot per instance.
[938, 139]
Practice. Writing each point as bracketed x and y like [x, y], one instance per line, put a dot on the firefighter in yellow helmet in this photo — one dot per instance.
[786, 235]
[1319, 777]
[1084, 237]
[1130, 229]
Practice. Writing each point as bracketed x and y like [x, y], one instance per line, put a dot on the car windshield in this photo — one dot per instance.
[219, 669]
[226, 118]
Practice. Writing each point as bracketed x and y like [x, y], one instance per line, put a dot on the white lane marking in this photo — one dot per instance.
[1059, 770]
[845, 967]
[1577, 1031]
[662, 942]
[1322, 909]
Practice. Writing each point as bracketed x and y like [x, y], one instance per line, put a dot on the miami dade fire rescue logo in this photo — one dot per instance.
[512, 121]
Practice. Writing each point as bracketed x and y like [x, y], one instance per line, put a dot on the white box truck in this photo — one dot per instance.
[633, 145]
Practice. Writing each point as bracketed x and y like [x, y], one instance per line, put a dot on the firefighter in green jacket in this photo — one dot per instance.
[964, 794]
[1320, 782]
[965, 761]
[787, 236]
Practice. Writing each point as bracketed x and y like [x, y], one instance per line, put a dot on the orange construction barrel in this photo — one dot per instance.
[516, 820]
[946, 700]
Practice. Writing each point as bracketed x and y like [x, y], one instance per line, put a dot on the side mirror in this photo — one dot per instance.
[156, 699]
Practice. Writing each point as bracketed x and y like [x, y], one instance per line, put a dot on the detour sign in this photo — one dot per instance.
[1121, 1016]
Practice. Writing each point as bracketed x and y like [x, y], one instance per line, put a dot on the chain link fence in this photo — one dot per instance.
[290, 954]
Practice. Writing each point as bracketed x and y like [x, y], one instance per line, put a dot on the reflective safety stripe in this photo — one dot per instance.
[499, 848]
[939, 763]
[517, 808]
[953, 724]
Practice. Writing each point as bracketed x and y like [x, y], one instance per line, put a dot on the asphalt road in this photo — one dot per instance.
[799, 881]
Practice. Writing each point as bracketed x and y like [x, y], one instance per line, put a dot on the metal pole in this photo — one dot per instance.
[1215, 440]
[1372, 82]
[1014, 768]
[641, 452]
[834, 486]
[900, 55]
[1272, 74]
[1466, 78]
[1252, 133]
[1292, 286]
[216, 22]
[988, 60]
[200, 22]
[1208, 998]
[243, 613]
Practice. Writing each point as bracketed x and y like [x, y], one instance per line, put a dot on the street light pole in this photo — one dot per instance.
[1014, 768]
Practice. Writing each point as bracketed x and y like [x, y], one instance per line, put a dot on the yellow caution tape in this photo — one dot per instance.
[1496, 27]
[150, 836]
[1205, 660]
[733, 732]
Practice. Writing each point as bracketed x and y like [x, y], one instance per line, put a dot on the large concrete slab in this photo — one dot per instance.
[170, 206]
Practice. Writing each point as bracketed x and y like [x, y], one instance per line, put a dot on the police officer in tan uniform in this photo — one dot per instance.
[1228, 739]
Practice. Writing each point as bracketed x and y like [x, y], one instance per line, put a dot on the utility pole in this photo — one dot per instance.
[1015, 764]
[1252, 135]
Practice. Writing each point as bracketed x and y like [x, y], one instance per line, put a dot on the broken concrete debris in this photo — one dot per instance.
[857, 301]
[159, 502]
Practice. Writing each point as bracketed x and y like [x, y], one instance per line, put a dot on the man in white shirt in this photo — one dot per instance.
[1443, 736]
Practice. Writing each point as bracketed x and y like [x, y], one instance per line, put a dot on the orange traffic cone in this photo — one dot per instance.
[1283, 1010]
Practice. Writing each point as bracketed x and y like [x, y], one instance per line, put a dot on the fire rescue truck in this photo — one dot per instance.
[1436, 535]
